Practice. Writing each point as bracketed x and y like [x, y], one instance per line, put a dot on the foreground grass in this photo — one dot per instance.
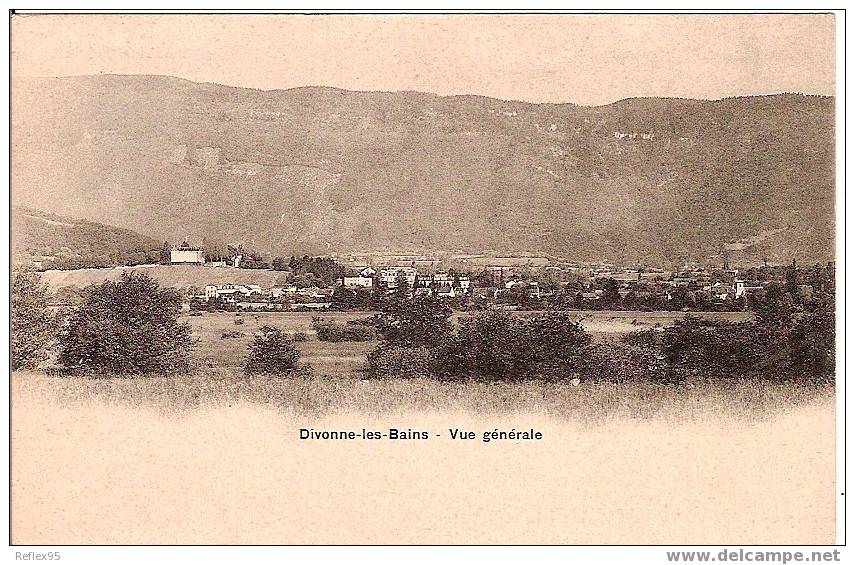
[322, 395]
[214, 457]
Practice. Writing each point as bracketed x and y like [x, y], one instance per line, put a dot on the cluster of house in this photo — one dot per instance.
[514, 277]
[642, 283]
[723, 286]
[254, 297]
[448, 285]
[251, 296]
[441, 284]
[280, 297]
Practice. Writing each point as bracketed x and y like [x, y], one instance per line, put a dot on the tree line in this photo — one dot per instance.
[790, 339]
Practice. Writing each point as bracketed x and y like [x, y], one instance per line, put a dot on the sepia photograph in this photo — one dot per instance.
[421, 278]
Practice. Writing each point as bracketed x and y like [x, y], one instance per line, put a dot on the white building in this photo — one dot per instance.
[740, 289]
[184, 254]
[253, 289]
[280, 291]
[390, 275]
[228, 294]
[357, 282]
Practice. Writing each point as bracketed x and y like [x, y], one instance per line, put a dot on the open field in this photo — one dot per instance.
[215, 458]
[624, 321]
[211, 350]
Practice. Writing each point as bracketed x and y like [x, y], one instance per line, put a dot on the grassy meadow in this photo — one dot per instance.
[212, 351]
[174, 276]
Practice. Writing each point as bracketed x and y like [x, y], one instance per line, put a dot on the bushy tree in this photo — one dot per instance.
[611, 293]
[306, 280]
[775, 306]
[812, 340]
[279, 264]
[717, 349]
[418, 321]
[558, 343]
[518, 295]
[214, 249]
[495, 345]
[127, 326]
[490, 345]
[272, 352]
[325, 269]
[32, 325]
[351, 299]
[253, 260]
[165, 254]
[624, 360]
[484, 279]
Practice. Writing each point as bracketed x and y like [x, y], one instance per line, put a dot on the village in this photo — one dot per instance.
[511, 283]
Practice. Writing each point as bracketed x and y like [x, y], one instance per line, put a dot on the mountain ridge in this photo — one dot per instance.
[414, 92]
[315, 169]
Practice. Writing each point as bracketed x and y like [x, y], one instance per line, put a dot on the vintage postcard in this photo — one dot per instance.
[426, 279]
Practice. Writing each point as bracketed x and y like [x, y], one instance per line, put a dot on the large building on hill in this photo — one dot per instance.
[184, 254]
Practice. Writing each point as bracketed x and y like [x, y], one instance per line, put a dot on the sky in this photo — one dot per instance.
[584, 59]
